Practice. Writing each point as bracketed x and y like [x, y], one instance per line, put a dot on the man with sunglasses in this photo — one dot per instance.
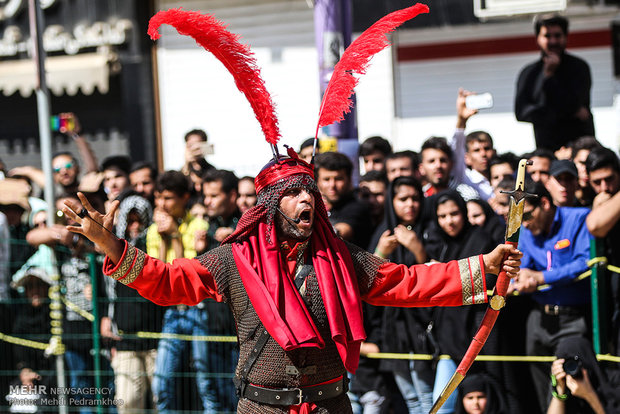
[66, 169]
[555, 242]
[65, 165]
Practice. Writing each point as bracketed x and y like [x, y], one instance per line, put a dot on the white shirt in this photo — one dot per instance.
[463, 175]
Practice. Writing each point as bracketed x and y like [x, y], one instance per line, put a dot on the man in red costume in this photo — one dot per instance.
[295, 289]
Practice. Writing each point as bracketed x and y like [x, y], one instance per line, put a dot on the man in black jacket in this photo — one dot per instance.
[349, 216]
[553, 93]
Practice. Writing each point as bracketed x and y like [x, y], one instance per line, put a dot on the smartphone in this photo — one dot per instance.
[206, 148]
[62, 123]
[481, 101]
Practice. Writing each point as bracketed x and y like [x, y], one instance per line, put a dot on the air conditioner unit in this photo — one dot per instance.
[497, 8]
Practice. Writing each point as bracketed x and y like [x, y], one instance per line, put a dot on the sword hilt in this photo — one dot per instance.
[519, 195]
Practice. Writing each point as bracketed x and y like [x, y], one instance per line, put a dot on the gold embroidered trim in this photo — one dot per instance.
[465, 282]
[125, 264]
[478, 282]
[136, 269]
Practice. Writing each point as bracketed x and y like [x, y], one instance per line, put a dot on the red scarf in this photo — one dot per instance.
[279, 304]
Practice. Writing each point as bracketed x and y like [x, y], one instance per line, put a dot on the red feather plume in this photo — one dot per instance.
[337, 97]
[212, 35]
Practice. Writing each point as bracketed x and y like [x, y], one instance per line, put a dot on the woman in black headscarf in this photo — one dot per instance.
[481, 214]
[399, 238]
[450, 236]
[480, 394]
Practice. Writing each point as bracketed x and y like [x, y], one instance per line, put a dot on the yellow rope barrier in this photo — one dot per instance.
[378, 355]
[23, 342]
[586, 274]
[75, 308]
[208, 338]
[426, 357]
[607, 357]
[504, 358]
[595, 260]
[215, 338]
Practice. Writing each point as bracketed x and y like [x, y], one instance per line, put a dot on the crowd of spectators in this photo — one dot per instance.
[439, 202]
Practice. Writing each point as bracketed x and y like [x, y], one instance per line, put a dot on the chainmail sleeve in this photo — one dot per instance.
[221, 264]
[366, 267]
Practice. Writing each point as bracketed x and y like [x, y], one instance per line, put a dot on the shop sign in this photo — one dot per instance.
[57, 39]
[9, 8]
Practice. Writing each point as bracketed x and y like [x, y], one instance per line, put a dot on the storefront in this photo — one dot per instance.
[98, 66]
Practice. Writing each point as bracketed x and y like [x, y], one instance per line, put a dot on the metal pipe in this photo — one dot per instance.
[35, 15]
[92, 267]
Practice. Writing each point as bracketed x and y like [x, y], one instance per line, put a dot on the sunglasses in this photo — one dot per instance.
[527, 215]
[66, 166]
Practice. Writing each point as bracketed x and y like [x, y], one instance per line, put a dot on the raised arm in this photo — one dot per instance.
[33, 173]
[182, 281]
[457, 142]
[604, 215]
[86, 152]
[456, 283]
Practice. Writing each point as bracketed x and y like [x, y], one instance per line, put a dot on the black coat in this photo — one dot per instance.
[456, 326]
[403, 330]
[550, 103]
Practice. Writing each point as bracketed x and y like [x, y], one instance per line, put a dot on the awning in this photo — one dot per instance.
[65, 74]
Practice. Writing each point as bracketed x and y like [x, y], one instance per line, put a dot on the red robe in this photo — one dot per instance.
[188, 281]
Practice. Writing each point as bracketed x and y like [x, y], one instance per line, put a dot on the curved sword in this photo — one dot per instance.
[498, 299]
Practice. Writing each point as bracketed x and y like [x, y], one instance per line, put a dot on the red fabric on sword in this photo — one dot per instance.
[488, 321]
[479, 340]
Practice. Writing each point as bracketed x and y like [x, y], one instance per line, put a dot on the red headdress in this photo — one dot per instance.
[257, 254]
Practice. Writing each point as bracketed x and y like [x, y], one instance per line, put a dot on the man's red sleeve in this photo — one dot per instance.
[456, 283]
[182, 281]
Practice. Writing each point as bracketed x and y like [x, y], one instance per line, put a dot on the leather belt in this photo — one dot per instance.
[294, 396]
[557, 310]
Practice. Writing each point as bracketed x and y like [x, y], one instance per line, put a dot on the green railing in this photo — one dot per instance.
[101, 374]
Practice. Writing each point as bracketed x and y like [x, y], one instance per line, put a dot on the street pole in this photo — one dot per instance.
[332, 30]
[45, 137]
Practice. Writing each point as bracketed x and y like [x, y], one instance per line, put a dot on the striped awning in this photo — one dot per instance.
[65, 74]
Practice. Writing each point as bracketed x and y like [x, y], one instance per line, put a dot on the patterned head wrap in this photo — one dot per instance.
[271, 183]
[133, 203]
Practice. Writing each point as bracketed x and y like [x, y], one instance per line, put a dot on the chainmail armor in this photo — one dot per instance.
[270, 368]
[366, 266]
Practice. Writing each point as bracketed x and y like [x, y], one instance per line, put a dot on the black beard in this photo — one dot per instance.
[287, 230]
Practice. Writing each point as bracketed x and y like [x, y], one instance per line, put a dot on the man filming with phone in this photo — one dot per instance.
[65, 166]
[472, 153]
[196, 148]
[553, 93]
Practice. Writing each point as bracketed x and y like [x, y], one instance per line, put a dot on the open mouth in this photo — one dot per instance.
[305, 216]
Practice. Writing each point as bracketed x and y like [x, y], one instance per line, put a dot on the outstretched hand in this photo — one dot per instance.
[95, 226]
[493, 260]
[463, 113]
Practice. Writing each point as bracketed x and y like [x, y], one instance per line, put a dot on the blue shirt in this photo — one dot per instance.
[561, 255]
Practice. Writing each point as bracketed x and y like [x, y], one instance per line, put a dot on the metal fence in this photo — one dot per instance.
[57, 337]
